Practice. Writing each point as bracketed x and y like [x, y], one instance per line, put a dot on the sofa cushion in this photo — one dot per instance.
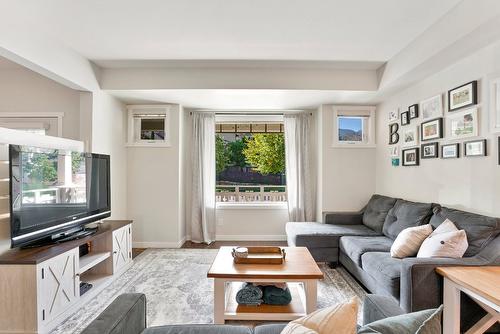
[406, 214]
[376, 210]
[422, 322]
[198, 329]
[480, 230]
[269, 328]
[384, 269]
[317, 235]
[354, 247]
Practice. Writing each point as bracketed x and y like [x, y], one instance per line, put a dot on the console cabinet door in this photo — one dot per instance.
[59, 284]
[122, 248]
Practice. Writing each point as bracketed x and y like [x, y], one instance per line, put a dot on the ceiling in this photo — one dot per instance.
[338, 30]
[243, 99]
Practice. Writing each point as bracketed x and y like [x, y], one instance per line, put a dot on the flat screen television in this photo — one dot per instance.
[55, 192]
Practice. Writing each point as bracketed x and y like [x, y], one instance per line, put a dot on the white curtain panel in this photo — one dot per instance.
[300, 182]
[203, 178]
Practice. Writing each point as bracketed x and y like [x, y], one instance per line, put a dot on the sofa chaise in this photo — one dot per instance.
[361, 242]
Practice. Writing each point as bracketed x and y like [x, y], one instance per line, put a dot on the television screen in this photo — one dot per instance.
[55, 190]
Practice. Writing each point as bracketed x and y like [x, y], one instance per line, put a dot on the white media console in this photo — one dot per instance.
[40, 287]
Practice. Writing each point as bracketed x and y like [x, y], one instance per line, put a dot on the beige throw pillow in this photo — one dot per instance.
[409, 240]
[446, 241]
[338, 319]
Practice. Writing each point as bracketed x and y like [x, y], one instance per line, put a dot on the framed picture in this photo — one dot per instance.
[405, 118]
[462, 96]
[393, 115]
[413, 110]
[393, 133]
[430, 150]
[495, 104]
[450, 151]
[432, 107]
[463, 124]
[410, 136]
[411, 157]
[432, 129]
[394, 151]
[395, 162]
[475, 148]
[498, 146]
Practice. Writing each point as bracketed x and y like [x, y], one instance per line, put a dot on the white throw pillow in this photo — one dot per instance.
[446, 241]
[409, 240]
[337, 319]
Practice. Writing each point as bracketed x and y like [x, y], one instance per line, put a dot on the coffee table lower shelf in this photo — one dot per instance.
[296, 309]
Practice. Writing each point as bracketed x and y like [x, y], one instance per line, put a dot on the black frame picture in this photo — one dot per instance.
[435, 146]
[417, 157]
[413, 111]
[405, 118]
[457, 151]
[473, 97]
[438, 135]
[483, 152]
[498, 151]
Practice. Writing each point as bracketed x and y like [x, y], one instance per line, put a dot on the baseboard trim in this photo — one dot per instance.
[158, 244]
[250, 237]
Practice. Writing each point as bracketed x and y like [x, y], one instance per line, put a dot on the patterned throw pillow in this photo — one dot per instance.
[446, 241]
[337, 319]
[408, 242]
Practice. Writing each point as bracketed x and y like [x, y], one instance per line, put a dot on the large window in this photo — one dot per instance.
[250, 162]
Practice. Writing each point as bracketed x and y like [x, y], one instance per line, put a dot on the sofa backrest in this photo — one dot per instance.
[480, 229]
[406, 214]
[376, 211]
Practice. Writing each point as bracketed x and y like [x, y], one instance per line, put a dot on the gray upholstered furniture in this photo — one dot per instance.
[127, 315]
[361, 242]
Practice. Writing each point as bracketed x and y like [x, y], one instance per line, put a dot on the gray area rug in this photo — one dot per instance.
[179, 292]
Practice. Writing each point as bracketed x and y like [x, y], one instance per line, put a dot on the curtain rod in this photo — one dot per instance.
[252, 113]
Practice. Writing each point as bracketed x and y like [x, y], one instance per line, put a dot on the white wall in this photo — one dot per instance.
[108, 137]
[346, 176]
[467, 183]
[22, 90]
[155, 196]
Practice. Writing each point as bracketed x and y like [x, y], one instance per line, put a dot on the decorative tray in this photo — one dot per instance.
[258, 255]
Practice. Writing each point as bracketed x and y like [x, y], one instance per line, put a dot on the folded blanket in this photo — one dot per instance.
[276, 296]
[249, 294]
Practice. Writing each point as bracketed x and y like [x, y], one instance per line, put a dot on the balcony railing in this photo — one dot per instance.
[262, 193]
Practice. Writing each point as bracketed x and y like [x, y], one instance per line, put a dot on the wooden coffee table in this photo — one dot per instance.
[299, 270]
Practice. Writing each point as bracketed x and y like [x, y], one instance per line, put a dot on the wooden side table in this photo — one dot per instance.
[300, 271]
[482, 284]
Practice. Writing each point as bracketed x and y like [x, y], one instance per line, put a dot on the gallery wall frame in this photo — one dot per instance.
[413, 111]
[411, 157]
[462, 96]
[429, 150]
[432, 129]
[450, 151]
[432, 107]
[495, 104]
[462, 124]
[475, 148]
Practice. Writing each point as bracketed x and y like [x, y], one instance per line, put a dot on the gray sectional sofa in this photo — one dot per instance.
[127, 315]
[361, 242]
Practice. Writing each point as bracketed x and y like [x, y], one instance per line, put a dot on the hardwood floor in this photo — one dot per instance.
[218, 244]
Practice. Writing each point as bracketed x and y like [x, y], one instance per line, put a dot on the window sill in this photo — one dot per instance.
[354, 146]
[252, 206]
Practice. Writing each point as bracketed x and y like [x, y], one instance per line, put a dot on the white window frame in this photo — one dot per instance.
[139, 112]
[352, 111]
[37, 115]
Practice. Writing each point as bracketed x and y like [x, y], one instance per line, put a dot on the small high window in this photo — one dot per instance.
[148, 126]
[354, 126]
